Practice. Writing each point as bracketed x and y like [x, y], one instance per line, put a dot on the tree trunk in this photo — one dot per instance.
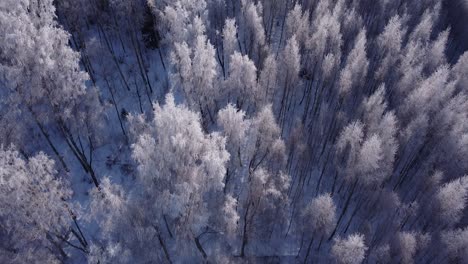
[200, 247]
[163, 245]
[49, 141]
[116, 109]
[308, 250]
[345, 208]
[79, 154]
[114, 58]
[282, 26]
[244, 233]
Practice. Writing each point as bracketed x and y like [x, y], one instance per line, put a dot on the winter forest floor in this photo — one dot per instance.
[225, 131]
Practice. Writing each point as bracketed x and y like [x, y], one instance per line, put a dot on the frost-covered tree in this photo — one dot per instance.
[264, 206]
[204, 69]
[365, 158]
[450, 127]
[268, 149]
[255, 142]
[351, 250]
[180, 179]
[195, 71]
[423, 98]
[383, 126]
[235, 128]
[234, 125]
[326, 37]
[349, 141]
[38, 66]
[290, 62]
[268, 81]
[456, 244]
[355, 71]
[319, 217]
[177, 130]
[241, 84]
[390, 43]
[297, 24]
[110, 210]
[437, 51]
[42, 74]
[251, 30]
[35, 213]
[255, 173]
[365, 154]
[370, 147]
[459, 68]
[405, 246]
[230, 42]
[451, 200]
[321, 214]
[178, 17]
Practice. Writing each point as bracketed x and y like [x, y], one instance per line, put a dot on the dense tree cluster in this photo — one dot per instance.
[252, 131]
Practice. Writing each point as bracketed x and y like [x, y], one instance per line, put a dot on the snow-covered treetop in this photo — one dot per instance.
[320, 214]
[351, 250]
[33, 202]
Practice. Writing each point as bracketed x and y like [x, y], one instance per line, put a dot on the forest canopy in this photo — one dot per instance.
[227, 131]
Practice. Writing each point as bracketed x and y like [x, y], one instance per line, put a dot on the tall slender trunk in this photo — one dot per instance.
[244, 232]
[141, 66]
[300, 246]
[163, 244]
[200, 247]
[282, 26]
[320, 243]
[49, 141]
[162, 60]
[79, 154]
[80, 237]
[138, 94]
[116, 61]
[308, 250]
[345, 208]
[59, 247]
[116, 109]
